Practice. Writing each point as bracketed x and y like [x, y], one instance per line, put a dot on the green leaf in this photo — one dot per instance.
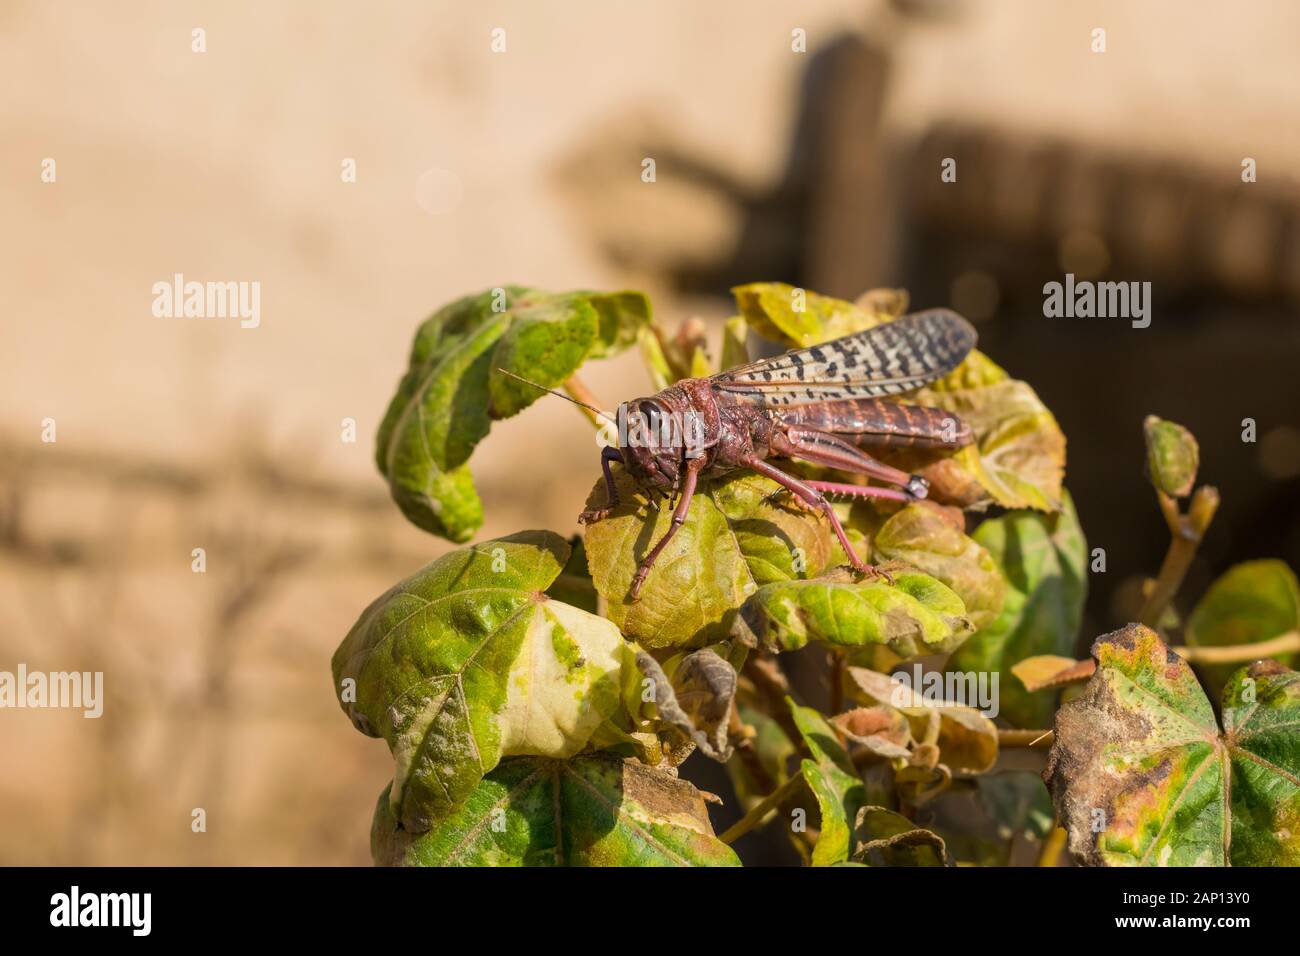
[735, 343]
[920, 535]
[468, 661]
[797, 317]
[1044, 560]
[915, 615]
[1172, 456]
[1249, 603]
[736, 538]
[574, 585]
[834, 784]
[453, 389]
[886, 838]
[596, 810]
[622, 317]
[1018, 458]
[1140, 754]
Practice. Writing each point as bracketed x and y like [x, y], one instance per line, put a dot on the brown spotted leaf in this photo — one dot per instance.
[1142, 775]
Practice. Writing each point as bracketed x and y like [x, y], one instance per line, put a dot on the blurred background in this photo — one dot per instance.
[816, 166]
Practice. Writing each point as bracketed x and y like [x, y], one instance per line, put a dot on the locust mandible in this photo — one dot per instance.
[820, 405]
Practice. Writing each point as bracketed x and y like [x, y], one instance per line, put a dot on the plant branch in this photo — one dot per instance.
[1186, 531]
[1052, 847]
[760, 810]
[1037, 739]
[1242, 653]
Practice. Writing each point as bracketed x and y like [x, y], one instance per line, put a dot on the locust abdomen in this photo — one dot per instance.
[882, 424]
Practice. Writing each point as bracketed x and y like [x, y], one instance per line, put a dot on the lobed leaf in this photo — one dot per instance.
[593, 810]
[453, 387]
[737, 537]
[468, 661]
[1141, 774]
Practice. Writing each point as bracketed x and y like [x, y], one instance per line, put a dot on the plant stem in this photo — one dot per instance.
[1242, 653]
[1038, 739]
[1052, 847]
[1186, 531]
[760, 810]
[839, 661]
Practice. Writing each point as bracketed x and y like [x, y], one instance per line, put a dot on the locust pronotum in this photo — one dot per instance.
[818, 404]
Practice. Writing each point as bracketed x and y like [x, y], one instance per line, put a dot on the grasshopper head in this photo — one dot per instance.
[650, 438]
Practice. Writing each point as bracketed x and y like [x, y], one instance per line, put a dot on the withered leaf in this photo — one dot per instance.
[886, 838]
[966, 740]
[697, 700]
[1141, 774]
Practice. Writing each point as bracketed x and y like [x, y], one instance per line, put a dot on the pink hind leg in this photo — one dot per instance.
[861, 491]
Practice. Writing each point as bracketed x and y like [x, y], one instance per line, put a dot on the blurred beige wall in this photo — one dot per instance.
[225, 165]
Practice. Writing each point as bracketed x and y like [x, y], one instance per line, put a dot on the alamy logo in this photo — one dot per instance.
[664, 430]
[68, 689]
[208, 300]
[1086, 300]
[977, 690]
[75, 908]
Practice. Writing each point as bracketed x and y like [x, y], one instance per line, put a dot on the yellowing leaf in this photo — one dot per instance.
[914, 615]
[737, 537]
[468, 661]
[593, 810]
[1018, 458]
[921, 536]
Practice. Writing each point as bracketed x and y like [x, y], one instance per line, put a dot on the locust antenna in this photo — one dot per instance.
[568, 398]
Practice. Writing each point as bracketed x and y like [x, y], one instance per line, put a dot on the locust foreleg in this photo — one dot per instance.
[693, 467]
[607, 454]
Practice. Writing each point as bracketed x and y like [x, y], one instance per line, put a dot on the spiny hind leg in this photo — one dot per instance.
[810, 495]
[823, 448]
